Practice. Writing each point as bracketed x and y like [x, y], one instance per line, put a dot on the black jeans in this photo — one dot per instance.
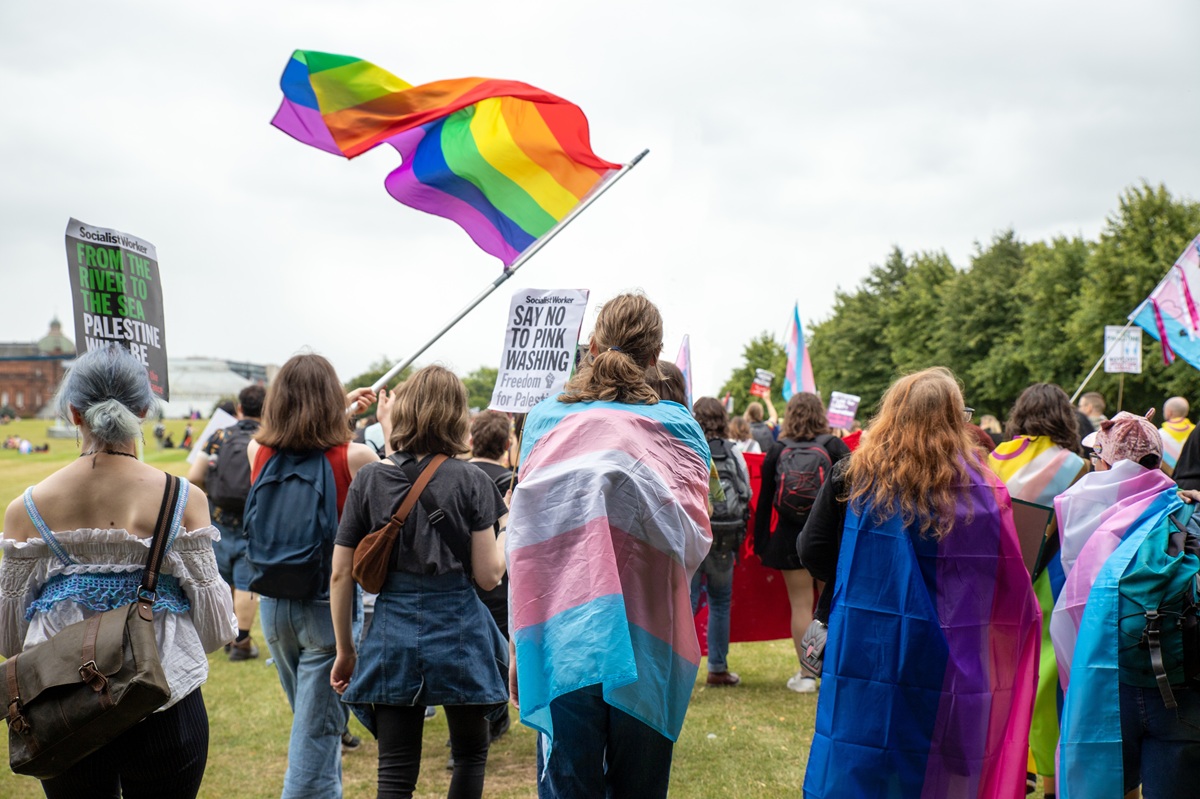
[400, 729]
[161, 756]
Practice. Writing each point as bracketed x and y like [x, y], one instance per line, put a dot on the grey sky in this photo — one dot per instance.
[792, 144]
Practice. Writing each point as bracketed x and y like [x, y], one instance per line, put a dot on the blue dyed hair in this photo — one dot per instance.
[111, 390]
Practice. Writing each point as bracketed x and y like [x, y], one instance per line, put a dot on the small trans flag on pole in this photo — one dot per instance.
[799, 374]
[684, 362]
[1169, 313]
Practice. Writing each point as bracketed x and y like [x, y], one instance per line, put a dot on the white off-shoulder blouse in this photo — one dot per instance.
[61, 578]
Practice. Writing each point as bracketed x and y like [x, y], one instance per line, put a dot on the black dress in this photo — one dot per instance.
[777, 548]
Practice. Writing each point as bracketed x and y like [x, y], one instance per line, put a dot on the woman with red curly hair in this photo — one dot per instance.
[928, 679]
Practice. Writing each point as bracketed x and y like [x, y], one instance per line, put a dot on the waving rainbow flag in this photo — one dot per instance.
[504, 160]
[608, 523]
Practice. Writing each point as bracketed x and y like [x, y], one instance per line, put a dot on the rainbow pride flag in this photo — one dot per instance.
[1035, 469]
[504, 160]
[608, 523]
[799, 373]
[931, 659]
[1087, 627]
[1173, 435]
[1169, 313]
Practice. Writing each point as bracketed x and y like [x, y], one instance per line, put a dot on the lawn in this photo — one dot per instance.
[748, 741]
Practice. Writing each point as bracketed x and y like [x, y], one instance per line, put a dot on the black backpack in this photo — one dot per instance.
[228, 481]
[801, 470]
[730, 514]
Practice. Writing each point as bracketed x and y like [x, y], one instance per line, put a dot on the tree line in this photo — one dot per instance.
[1018, 313]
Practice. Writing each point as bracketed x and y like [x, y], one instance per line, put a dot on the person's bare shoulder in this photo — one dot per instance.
[359, 455]
[17, 524]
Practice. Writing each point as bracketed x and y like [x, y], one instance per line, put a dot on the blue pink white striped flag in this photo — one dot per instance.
[600, 584]
[799, 374]
[1169, 313]
[684, 362]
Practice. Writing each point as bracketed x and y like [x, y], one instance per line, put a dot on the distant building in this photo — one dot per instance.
[31, 370]
[198, 384]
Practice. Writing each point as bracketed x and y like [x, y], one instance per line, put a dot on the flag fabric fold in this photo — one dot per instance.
[504, 160]
[1035, 469]
[684, 361]
[931, 659]
[608, 523]
[1169, 314]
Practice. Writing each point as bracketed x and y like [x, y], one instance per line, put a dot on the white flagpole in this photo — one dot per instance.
[529, 252]
[1120, 338]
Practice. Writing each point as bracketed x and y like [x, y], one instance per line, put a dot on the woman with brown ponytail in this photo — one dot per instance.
[608, 524]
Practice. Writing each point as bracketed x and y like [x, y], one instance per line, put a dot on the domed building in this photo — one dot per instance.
[30, 371]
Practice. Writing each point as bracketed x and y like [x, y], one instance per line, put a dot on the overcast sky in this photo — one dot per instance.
[792, 144]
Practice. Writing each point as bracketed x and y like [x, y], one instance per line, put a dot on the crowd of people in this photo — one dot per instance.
[991, 600]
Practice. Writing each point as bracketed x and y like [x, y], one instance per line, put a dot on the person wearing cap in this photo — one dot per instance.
[1157, 748]
[1175, 432]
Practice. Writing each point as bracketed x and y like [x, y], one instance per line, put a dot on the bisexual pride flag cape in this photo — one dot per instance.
[504, 160]
[1035, 469]
[1173, 434]
[931, 659]
[609, 522]
[1089, 630]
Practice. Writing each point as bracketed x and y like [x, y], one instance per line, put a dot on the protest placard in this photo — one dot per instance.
[539, 347]
[1126, 356]
[117, 296]
[761, 387]
[219, 421]
[842, 409]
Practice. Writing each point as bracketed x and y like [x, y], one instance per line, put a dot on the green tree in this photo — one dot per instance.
[763, 352]
[480, 384]
[1139, 243]
[375, 371]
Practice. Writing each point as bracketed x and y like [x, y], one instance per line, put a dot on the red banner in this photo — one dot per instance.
[760, 610]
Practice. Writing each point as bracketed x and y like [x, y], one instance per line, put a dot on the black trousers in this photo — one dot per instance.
[161, 756]
[400, 729]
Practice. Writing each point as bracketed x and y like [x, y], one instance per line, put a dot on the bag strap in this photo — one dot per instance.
[158, 546]
[418, 486]
[435, 514]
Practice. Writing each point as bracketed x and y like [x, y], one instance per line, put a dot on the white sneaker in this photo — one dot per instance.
[802, 684]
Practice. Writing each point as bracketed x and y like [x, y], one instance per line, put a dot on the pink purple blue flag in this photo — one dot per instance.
[799, 374]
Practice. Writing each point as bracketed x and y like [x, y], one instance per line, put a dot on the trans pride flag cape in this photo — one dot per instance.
[1035, 469]
[931, 659]
[1173, 434]
[504, 160]
[798, 375]
[1086, 623]
[609, 522]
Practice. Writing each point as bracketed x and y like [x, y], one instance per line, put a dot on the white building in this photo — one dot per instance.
[198, 384]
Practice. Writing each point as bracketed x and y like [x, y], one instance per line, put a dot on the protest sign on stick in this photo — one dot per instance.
[842, 409]
[761, 387]
[117, 295]
[539, 347]
[1122, 350]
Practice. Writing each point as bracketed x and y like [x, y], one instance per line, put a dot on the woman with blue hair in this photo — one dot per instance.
[75, 544]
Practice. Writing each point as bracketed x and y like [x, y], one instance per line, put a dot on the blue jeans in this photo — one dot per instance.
[720, 594]
[300, 637]
[1161, 747]
[232, 564]
[601, 752]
